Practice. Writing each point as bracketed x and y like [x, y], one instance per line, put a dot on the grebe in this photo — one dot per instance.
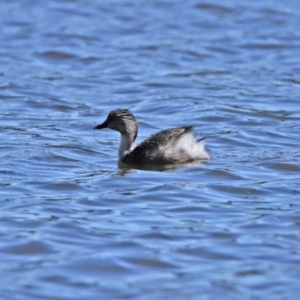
[169, 146]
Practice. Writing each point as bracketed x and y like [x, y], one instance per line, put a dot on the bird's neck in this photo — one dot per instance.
[126, 145]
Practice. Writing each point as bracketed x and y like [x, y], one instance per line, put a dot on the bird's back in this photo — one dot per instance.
[169, 146]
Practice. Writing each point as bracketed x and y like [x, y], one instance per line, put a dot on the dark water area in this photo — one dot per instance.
[75, 225]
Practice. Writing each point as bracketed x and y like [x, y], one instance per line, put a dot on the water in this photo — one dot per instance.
[74, 225]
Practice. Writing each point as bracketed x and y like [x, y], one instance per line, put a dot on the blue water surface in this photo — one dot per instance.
[75, 225]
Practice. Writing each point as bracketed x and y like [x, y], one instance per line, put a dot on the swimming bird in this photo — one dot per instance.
[169, 146]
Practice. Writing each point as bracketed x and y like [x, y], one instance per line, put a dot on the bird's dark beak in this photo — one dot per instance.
[101, 126]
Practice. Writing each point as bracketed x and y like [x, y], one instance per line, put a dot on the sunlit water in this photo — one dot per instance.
[76, 226]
